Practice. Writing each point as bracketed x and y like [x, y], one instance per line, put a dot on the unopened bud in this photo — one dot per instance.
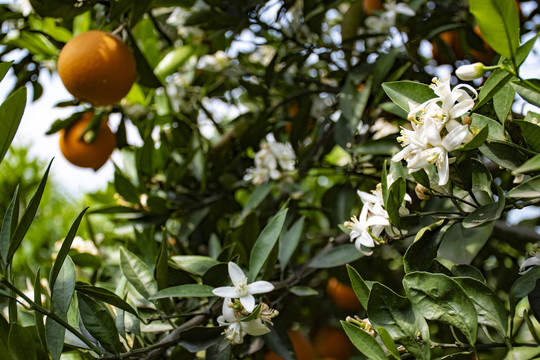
[467, 120]
[471, 72]
[422, 192]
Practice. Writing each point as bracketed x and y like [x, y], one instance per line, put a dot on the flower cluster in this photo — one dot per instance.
[373, 220]
[237, 315]
[436, 128]
[387, 19]
[267, 159]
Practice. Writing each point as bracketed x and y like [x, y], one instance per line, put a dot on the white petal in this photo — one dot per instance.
[444, 170]
[366, 239]
[402, 154]
[532, 261]
[402, 8]
[366, 197]
[228, 312]
[248, 302]
[377, 220]
[255, 327]
[236, 274]
[225, 292]
[455, 137]
[260, 287]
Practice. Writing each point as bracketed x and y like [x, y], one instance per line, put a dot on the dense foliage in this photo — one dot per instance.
[289, 148]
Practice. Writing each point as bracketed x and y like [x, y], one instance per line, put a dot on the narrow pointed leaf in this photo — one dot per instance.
[184, 291]
[359, 286]
[137, 273]
[5, 231]
[63, 289]
[20, 343]
[11, 112]
[106, 296]
[40, 326]
[364, 342]
[403, 92]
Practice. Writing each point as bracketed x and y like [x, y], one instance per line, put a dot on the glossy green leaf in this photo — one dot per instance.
[99, 323]
[27, 217]
[531, 133]
[404, 92]
[55, 336]
[336, 256]
[486, 213]
[388, 342]
[503, 154]
[502, 102]
[6, 230]
[523, 286]
[40, 326]
[354, 97]
[105, 295]
[359, 286]
[21, 343]
[477, 140]
[533, 164]
[527, 189]
[364, 342]
[423, 250]
[255, 199]
[173, 60]
[396, 314]
[465, 270]
[496, 81]
[199, 338]
[124, 187]
[265, 243]
[184, 291]
[396, 194]
[4, 68]
[495, 129]
[439, 297]
[11, 112]
[288, 242]
[461, 244]
[193, 264]
[64, 286]
[490, 309]
[137, 273]
[64, 249]
[528, 89]
[303, 291]
[499, 23]
[525, 49]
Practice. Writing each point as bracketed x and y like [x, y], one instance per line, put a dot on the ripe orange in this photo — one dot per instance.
[371, 5]
[97, 67]
[302, 347]
[89, 155]
[332, 343]
[343, 295]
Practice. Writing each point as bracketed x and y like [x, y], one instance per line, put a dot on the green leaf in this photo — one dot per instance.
[531, 133]
[388, 342]
[359, 286]
[137, 273]
[21, 343]
[503, 154]
[533, 164]
[55, 336]
[496, 81]
[199, 338]
[288, 242]
[477, 140]
[40, 327]
[528, 189]
[173, 60]
[364, 342]
[495, 129]
[145, 73]
[99, 323]
[395, 313]
[422, 178]
[27, 217]
[4, 68]
[265, 243]
[194, 264]
[439, 297]
[499, 23]
[255, 199]
[63, 289]
[525, 49]
[528, 89]
[423, 250]
[11, 112]
[5, 231]
[106, 296]
[461, 244]
[403, 92]
[486, 213]
[502, 102]
[354, 97]
[523, 286]
[336, 256]
[303, 291]
[124, 187]
[64, 249]
[490, 309]
[184, 291]
[464, 270]
[396, 194]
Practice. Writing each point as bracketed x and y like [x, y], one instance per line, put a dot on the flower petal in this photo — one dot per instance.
[260, 287]
[255, 327]
[228, 312]
[236, 274]
[225, 292]
[248, 302]
[444, 169]
[455, 137]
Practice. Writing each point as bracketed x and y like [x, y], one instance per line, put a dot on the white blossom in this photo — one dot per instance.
[237, 329]
[241, 289]
[471, 71]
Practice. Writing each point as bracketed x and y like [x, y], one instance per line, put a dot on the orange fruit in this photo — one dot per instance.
[302, 347]
[332, 343]
[372, 5]
[97, 67]
[89, 155]
[343, 295]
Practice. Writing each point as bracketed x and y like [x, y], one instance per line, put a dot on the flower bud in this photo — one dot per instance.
[422, 192]
[471, 72]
